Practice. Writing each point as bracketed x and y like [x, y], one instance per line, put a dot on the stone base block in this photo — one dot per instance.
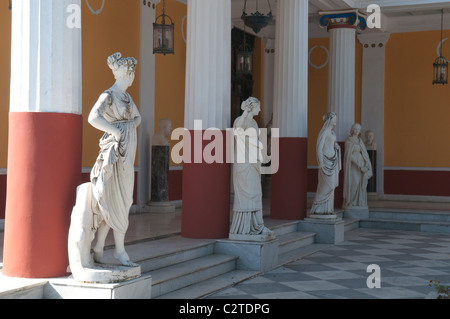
[68, 288]
[253, 255]
[106, 273]
[356, 212]
[160, 207]
[328, 230]
[257, 238]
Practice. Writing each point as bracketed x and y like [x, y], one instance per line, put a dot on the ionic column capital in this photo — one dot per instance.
[342, 19]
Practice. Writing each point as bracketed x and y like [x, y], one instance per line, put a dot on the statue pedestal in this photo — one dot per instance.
[356, 212]
[68, 288]
[329, 229]
[253, 255]
[106, 273]
[160, 207]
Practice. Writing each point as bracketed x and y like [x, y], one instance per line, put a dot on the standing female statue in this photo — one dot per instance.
[357, 169]
[112, 176]
[328, 154]
[247, 206]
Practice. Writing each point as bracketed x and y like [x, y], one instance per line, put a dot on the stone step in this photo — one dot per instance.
[156, 254]
[294, 240]
[407, 225]
[350, 224]
[300, 253]
[211, 286]
[172, 278]
[281, 228]
[20, 288]
[431, 216]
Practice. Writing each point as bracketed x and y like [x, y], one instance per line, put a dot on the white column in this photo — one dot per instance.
[341, 79]
[45, 131]
[342, 26]
[206, 186]
[290, 110]
[372, 95]
[291, 69]
[208, 64]
[46, 56]
[146, 101]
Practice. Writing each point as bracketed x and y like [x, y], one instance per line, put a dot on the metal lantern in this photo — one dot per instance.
[256, 21]
[440, 71]
[244, 58]
[440, 65]
[163, 34]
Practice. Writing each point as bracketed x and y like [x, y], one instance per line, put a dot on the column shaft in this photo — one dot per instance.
[45, 138]
[288, 185]
[206, 186]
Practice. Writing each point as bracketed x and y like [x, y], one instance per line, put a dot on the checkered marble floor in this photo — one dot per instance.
[407, 261]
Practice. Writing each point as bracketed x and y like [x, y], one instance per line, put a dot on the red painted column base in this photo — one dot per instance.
[44, 169]
[288, 198]
[206, 196]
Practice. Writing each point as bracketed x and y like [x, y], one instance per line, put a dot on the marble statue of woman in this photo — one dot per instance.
[329, 159]
[105, 201]
[247, 206]
[357, 169]
[112, 176]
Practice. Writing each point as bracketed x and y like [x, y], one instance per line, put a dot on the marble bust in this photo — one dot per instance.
[329, 159]
[104, 203]
[357, 169]
[370, 143]
[164, 130]
[248, 223]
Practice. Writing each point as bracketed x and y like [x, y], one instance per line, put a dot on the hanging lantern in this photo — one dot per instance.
[163, 34]
[256, 21]
[440, 71]
[440, 65]
[244, 58]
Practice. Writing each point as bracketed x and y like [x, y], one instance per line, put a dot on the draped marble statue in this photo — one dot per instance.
[247, 207]
[104, 203]
[357, 169]
[328, 154]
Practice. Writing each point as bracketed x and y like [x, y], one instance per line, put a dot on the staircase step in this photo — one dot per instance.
[156, 254]
[403, 214]
[181, 275]
[350, 224]
[211, 286]
[295, 240]
[408, 225]
[300, 253]
[20, 288]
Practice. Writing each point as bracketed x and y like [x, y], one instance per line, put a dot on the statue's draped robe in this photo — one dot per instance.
[112, 176]
[355, 181]
[328, 180]
[247, 206]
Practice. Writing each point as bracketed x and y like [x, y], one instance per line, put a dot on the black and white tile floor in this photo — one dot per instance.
[407, 262]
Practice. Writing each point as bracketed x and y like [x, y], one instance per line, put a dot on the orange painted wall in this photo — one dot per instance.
[258, 77]
[417, 130]
[115, 29]
[5, 57]
[318, 92]
[170, 71]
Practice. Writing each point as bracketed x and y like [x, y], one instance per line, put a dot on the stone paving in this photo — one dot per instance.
[407, 262]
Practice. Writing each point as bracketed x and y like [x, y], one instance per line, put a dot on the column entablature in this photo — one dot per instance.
[373, 40]
[343, 19]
